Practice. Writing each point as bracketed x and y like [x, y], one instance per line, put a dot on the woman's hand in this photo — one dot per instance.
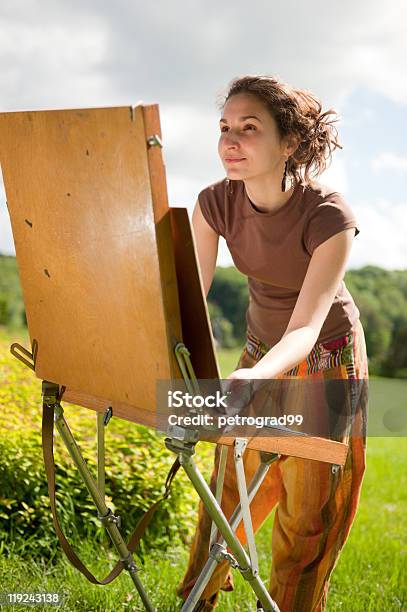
[242, 374]
[254, 373]
[245, 382]
[239, 390]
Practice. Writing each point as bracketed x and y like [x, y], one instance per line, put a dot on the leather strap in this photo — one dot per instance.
[48, 453]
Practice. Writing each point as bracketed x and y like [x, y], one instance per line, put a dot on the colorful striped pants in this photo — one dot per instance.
[315, 506]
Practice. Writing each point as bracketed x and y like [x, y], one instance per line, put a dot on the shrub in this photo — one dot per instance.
[137, 463]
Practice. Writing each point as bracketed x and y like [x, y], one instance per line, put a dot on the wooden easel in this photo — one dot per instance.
[114, 302]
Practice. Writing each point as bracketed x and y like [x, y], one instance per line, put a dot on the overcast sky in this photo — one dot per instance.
[353, 55]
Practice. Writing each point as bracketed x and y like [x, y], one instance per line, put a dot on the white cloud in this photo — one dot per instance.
[190, 139]
[383, 228]
[182, 191]
[390, 161]
[84, 53]
[336, 176]
[6, 237]
[47, 65]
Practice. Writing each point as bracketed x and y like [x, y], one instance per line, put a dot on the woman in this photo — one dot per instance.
[292, 237]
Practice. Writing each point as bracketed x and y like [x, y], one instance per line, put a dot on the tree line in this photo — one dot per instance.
[380, 295]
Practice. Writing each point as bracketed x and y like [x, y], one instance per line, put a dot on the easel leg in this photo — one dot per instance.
[100, 428]
[109, 520]
[240, 446]
[183, 442]
[239, 559]
[234, 521]
[219, 489]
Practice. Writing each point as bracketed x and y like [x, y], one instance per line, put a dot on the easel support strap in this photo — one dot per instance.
[52, 409]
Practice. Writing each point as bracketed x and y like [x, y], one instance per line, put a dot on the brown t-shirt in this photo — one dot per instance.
[273, 249]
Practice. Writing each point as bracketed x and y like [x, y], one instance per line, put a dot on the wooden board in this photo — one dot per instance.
[305, 447]
[196, 328]
[100, 294]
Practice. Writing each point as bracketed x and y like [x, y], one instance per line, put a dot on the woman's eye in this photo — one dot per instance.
[249, 126]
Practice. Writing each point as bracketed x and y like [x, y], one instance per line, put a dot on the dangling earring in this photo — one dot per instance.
[284, 176]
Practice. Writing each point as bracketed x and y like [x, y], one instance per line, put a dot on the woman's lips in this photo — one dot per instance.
[231, 160]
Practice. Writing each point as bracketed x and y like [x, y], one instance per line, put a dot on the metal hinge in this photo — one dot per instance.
[154, 141]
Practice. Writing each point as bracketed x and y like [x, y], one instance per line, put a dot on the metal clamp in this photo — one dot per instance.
[110, 518]
[184, 434]
[154, 141]
[130, 564]
[50, 393]
[181, 447]
[16, 350]
[217, 552]
[240, 447]
[267, 458]
[107, 416]
[232, 561]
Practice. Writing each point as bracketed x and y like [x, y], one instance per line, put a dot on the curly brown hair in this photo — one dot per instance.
[296, 111]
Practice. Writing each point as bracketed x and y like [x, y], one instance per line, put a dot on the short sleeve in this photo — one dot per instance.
[327, 219]
[212, 201]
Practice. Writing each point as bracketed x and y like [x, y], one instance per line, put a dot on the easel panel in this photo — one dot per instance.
[196, 328]
[79, 196]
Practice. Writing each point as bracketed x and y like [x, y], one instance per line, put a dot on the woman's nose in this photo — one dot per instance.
[230, 139]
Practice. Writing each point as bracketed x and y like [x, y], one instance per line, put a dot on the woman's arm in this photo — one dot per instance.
[206, 242]
[324, 274]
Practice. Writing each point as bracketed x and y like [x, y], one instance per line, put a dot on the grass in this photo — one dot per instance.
[370, 575]
[228, 360]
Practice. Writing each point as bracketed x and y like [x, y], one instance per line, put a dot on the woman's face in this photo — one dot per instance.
[249, 143]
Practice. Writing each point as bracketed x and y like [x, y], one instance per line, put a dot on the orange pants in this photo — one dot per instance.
[315, 506]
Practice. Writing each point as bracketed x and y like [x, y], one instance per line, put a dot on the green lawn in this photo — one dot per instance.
[370, 575]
